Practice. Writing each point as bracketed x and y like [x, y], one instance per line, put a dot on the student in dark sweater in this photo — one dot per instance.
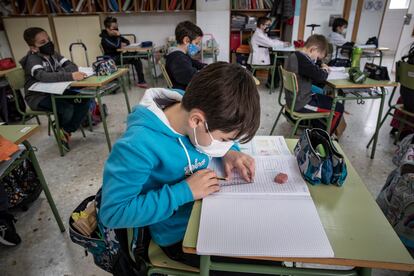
[304, 64]
[111, 41]
[43, 64]
[179, 64]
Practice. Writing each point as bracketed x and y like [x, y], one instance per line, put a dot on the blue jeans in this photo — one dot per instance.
[71, 112]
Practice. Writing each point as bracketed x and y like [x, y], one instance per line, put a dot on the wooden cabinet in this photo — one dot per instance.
[15, 26]
[85, 29]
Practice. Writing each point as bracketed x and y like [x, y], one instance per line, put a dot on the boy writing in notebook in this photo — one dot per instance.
[43, 64]
[180, 65]
[304, 64]
[159, 167]
[111, 41]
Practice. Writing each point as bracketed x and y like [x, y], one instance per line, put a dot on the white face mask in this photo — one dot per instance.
[344, 31]
[216, 148]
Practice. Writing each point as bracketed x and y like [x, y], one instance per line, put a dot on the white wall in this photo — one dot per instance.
[4, 46]
[318, 12]
[213, 17]
[369, 24]
[406, 36]
[391, 28]
[295, 28]
[153, 26]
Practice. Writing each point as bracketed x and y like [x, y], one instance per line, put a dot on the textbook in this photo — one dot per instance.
[263, 218]
[50, 87]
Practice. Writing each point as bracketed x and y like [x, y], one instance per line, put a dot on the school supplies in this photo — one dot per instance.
[262, 218]
[50, 87]
[337, 73]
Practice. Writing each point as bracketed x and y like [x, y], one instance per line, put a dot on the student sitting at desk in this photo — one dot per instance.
[261, 43]
[43, 64]
[304, 64]
[159, 167]
[180, 65]
[337, 37]
[111, 41]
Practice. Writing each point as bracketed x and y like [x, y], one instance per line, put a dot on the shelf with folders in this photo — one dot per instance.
[254, 5]
[45, 7]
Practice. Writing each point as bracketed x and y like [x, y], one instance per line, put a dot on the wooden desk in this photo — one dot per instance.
[359, 233]
[98, 90]
[369, 83]
[19, 134]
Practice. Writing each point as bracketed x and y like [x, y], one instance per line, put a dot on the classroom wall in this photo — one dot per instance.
[391, 28]
[4, 46]
[154, 27]
[369, 24]
[407, 37]
[213, 17]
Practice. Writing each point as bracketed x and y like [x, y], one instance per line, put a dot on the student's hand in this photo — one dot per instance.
[286, 44]
[325, 67]
[202, 183]
[123, 44]
[242, 162]
[77, 76]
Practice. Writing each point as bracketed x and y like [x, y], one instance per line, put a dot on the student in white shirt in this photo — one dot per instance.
[337, 37]
[261, 43]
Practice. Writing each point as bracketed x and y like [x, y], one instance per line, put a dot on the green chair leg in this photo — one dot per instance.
[83, 132]
[277, 119]
[382, 122]
[49, 124]
[272, 81]
[104, 124]
[42, 180]
[24, 120]
[37, 119]
[295, 128]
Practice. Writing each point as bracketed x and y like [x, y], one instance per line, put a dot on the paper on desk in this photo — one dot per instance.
[266, 145]
[133, 45]
[87, 70]
[337, 69]
[290, 48]
[50, 87]
[335, 75]
[365, 46]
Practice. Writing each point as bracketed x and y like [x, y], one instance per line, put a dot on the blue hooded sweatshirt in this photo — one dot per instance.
[144, 177]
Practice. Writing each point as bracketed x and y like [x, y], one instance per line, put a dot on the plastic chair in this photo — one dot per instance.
[165, 73]
[404, 75]
[16, 80]
[271, 67]
[290, 85]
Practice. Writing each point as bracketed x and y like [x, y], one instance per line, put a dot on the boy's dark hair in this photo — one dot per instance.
[109, 20]
[339, 22]
[262, 20]
[319, 41]
[187, 28]
[30, 34]
[227, 94]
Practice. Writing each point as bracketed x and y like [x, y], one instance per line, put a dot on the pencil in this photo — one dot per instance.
[221, 178]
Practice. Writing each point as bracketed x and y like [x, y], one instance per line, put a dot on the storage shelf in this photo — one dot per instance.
[249, 10]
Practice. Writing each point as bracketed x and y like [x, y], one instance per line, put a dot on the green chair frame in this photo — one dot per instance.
[290, 85]
[403, 75]
[165, 73]
[16, 80]
[271, 67]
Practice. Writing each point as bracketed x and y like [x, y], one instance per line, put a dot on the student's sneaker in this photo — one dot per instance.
[142, 85]
[8, 235]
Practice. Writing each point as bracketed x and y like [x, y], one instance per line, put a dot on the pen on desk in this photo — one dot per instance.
[221, 178]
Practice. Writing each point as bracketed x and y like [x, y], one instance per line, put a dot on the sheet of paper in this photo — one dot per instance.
[333, 75]
[365, 46]
[50, 87]
[290, 48]
[266, 145]
[337, 69]
[267, 167]
[87, 70]
[133, 45]
[273, 226]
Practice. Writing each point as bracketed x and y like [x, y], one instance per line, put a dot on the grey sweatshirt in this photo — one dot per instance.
[38, 67]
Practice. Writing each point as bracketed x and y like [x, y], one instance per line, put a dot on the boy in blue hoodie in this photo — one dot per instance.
[159, 167]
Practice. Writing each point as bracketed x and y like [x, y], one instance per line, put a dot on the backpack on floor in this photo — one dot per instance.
[396, 198]
[22, 186]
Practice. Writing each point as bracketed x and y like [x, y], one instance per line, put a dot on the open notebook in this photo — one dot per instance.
[263, 218]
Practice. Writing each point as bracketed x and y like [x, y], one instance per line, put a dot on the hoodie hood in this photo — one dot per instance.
[174, 49]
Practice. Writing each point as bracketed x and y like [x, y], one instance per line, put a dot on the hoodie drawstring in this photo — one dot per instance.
[188, 156]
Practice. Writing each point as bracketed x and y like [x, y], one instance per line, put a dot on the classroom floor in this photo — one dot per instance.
[46, 251]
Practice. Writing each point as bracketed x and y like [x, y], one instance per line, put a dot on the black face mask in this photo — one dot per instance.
[47, 49]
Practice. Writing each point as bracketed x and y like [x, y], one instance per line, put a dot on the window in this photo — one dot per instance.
[399, 4]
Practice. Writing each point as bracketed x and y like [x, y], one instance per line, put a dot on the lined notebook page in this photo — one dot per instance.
[266, 145]
[273, 226]
[267, 167]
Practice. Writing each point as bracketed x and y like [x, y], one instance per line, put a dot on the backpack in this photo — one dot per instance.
[396, 198]
[12, 112]
[22, 185]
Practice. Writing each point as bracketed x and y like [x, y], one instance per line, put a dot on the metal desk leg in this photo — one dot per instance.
[56, 130]
[380, 57]
[205, 265]
[378, 125]
[363, 271]
[122, 82]
[153, 65]
[45, 188]
[331, 115]
[103, 118]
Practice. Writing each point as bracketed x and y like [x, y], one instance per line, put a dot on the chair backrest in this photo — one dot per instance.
[16, 80]
[405, 74]
[131, 37]
[79, 54]
[165, 73]
[289, 85]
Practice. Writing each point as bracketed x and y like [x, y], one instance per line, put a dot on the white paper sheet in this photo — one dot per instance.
[87, 70]
[266, 145]
[50, 87]
[333, 75]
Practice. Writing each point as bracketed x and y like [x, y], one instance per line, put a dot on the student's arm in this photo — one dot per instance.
[182, 70]
[109, 45]
[198, 65]
[34, 67]
[124, 205]
[307, 69]
[124, 40]
[266, 41]
[68, 65]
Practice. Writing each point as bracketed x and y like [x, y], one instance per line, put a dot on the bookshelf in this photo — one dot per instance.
[76, 7]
